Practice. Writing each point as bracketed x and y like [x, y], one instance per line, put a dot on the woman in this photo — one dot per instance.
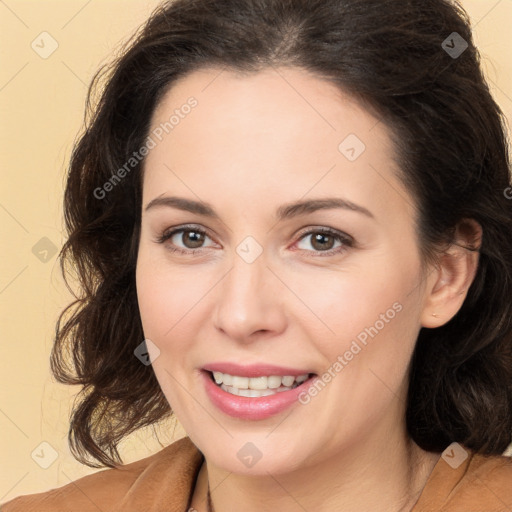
[291, 224]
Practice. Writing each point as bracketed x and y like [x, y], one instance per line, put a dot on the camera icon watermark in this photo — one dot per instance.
[44, 250]
[352, 147]
[249, 249]
[249, 454]
[454, 45]
[44, 455]
[454, 455]
[44, 45]
[147, 352]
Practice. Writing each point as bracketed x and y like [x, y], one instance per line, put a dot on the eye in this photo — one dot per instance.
[191, 237]
[323, 241]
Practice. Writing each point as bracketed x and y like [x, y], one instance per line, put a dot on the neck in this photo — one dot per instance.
[382, 475]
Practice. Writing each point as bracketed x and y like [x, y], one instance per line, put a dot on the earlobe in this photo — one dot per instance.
[448, 284]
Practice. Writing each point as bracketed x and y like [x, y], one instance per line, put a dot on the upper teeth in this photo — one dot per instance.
[271, 382]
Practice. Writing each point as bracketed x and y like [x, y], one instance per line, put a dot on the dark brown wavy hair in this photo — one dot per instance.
[450, 140]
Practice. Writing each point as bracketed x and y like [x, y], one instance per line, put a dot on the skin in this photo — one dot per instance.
[252, 144]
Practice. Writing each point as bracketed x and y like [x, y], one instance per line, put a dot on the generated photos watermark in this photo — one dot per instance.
[344, 359]
[152, 140]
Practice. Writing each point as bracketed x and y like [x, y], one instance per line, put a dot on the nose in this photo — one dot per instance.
[250, 301]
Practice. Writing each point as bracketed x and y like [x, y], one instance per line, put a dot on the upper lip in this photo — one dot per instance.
[254, 370]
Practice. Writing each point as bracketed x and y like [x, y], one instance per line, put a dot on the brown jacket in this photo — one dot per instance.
[164, 483]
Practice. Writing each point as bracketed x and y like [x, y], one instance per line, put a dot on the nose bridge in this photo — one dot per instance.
[247, 301]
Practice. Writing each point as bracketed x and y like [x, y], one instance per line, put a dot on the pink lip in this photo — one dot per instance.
[254, 370]
[252, 408]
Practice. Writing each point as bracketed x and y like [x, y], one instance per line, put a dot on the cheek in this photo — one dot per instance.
[354, 305]
[166, 299]
[373, 326]
[373, 320]
[169, 298]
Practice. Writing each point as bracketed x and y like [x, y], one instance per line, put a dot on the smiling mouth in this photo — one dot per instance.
[254, 387]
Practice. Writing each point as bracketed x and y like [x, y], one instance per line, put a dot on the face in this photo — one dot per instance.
[251, 287]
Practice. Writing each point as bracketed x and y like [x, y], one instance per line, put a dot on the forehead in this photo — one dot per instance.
[276, 129]
[288, 102]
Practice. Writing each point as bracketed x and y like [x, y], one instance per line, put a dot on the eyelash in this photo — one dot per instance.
[346, 240]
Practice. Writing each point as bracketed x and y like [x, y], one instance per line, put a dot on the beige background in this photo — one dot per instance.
[41, 111]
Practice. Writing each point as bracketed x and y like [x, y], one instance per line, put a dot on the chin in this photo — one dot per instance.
[252, 454]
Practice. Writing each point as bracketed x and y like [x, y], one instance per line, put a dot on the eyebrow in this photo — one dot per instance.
[284, 212]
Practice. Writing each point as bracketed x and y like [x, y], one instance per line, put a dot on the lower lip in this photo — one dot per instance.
[247, 408]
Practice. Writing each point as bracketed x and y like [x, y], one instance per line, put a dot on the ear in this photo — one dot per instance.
[448, 283]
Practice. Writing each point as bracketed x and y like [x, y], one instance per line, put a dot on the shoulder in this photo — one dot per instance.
[106, 490]
[480, 484]
[487, 482]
